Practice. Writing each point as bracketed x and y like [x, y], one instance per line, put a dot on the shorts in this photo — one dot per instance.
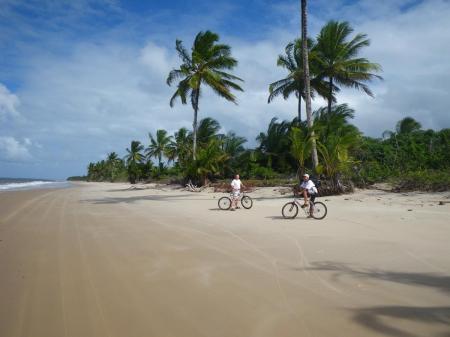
[236, 194]
[312, 196]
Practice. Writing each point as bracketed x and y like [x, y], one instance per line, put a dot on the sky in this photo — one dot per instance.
[80, 79]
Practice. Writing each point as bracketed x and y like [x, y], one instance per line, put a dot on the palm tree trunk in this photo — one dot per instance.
[315, 158]
[299, 109]
[194, 125]
[330, 97]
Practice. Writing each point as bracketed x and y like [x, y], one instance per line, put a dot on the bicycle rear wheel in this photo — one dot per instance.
[289, 210]
[246, 202]
[319, 210]
[224, 203]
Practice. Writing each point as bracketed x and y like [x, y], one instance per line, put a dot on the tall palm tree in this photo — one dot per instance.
[159, 146]
[133, 158]
[294, 83]
[338, 61]
[304, 24]
[206, 64]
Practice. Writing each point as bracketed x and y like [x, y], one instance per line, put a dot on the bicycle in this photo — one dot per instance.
[316, 210]
[224, 203]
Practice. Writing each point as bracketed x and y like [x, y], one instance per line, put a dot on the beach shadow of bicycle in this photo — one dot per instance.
[279, 217]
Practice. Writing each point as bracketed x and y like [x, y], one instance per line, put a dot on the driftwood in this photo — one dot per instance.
[194, 188]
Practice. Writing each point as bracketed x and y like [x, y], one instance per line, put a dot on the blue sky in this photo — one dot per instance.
[79, 79]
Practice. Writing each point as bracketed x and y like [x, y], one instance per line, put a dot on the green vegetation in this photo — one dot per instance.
[77, 178]
[408, 157]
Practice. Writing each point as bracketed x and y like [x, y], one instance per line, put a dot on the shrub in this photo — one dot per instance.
[427, 180]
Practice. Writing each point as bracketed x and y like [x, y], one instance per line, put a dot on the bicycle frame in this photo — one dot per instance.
[300, 204]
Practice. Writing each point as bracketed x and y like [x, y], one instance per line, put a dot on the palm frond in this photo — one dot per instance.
[182, 52]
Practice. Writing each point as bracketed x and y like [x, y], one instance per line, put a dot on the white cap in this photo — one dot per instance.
[306, 175]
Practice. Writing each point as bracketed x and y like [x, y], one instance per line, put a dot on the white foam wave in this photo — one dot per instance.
[28, 184]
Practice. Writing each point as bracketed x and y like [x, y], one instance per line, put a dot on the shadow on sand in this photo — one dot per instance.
[217, 209]
[297, 218]
[130, 200]
[373, 318]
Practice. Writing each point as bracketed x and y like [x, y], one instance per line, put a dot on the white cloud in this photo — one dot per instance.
[157, 59]
[9, 104]
[14, 150]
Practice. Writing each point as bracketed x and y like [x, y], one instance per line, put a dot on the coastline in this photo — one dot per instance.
[103, 257]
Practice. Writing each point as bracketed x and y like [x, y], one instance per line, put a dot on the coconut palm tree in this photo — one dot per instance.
[336, 138]
[179, 147]
[233, 146]
[133, 158]
[274, 144]
[300, 147]
[407, 125]
[294, 83]
[159, 146]
[336, 122]
[338, 62]
[304, 30]
[207, 128]
[206, 64]
[113, 161]
[210, 159]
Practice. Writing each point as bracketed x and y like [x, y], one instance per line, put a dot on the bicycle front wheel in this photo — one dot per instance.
[319, 210]
[290, 210]
[224, 203]
[246, 202]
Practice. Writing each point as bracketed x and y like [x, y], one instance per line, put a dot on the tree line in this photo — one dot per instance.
[326, 143]
[346, 156]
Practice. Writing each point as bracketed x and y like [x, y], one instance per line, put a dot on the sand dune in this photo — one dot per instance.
[107, 260]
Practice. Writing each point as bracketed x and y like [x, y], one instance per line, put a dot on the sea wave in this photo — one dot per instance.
[32, 184]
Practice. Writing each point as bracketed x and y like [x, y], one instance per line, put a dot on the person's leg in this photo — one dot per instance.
[305, 196]
[233, 201]
[312, 198]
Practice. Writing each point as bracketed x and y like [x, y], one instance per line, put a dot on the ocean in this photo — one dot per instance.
[10, 184]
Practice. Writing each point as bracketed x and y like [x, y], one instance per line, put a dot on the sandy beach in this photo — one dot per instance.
[102, 259]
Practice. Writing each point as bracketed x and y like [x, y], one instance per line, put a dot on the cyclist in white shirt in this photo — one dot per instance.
[308, 189]
[236, 185]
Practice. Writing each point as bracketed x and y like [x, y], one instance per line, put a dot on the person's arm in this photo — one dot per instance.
[300, 187]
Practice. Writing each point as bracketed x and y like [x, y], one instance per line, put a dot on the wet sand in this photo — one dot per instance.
[105, 260]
